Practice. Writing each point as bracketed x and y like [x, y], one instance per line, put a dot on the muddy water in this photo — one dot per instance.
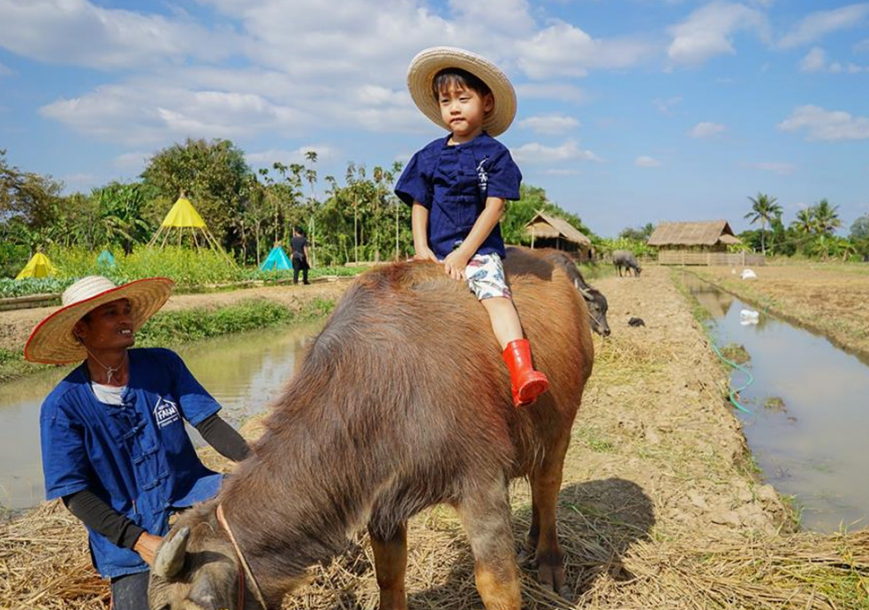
[243, 372]
[813, 442]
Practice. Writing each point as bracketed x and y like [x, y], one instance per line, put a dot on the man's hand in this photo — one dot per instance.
[146, 547]
[455, 264]
[425, 254]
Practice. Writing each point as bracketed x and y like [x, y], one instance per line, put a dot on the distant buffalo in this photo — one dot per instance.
[624, 259]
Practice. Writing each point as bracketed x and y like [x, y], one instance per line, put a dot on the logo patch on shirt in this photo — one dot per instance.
[483, 176]
[166, 412]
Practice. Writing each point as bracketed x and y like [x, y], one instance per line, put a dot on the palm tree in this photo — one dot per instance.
[763, 208]
[805, 222]
[826, 217]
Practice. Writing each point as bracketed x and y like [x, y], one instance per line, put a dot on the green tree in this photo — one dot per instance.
[122, 209]
[859, 235]
[826, 217]
[214, 176]
[34, 202]
[763, 208]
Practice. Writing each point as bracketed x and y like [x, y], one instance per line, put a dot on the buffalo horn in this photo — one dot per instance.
[586, 294]
[170, 556]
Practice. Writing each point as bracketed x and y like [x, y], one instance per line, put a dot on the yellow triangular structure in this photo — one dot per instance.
[183, 214]
[37, 266]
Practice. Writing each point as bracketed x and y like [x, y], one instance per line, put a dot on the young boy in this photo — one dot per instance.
[457, 187]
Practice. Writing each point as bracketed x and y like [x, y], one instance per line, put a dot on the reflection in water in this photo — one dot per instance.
[815, 448]
[243, 372]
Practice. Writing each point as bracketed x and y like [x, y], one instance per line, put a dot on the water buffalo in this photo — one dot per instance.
[401, 402]
[595, 301]
[626, 260]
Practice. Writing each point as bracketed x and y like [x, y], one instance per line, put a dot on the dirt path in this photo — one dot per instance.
[15, 326]
[659, 506]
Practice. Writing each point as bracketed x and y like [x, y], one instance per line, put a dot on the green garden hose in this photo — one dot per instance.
[734, 392]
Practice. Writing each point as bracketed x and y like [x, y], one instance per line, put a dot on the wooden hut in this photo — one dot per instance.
[699, 243]
[551, 232]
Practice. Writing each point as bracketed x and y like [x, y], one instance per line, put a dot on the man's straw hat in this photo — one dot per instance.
[52, 341]
[429, 62]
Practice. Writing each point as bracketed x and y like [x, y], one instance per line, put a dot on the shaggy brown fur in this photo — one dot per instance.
[402, 402]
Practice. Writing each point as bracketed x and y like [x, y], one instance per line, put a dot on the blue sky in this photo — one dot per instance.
[630, 111]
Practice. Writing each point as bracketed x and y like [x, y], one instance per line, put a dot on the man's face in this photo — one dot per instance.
[109, 326]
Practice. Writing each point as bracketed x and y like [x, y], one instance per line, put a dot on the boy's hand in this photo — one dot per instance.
[455, 264]
[425, 254]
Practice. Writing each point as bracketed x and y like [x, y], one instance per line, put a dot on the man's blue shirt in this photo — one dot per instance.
[453, 182]
[137, 457]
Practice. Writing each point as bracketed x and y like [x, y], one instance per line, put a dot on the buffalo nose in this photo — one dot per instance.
[607, 332]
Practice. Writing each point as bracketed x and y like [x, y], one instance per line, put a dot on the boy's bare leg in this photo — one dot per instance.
[504, 318]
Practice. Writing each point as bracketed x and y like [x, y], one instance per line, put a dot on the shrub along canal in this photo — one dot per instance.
[244, 372]
[808, 409]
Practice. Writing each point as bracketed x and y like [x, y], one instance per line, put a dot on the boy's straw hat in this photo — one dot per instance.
[52, 341]
[429, 62]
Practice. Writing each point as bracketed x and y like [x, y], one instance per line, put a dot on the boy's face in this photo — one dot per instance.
[463, 112]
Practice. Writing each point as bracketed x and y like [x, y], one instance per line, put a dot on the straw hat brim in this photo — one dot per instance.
[427, 63]
[52, 341]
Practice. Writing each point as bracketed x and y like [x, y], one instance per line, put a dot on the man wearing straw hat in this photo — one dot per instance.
[114, 446]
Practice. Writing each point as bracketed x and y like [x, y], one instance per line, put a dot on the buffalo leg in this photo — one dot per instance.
[390, 564]
[485, 514]
[545, 485]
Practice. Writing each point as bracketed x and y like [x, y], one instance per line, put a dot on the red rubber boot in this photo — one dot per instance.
[527, 383]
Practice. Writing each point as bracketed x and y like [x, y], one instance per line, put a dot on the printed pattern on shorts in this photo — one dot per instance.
[485, 277]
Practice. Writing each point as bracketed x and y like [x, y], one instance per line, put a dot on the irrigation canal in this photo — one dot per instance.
[808, 410]
[243, 372]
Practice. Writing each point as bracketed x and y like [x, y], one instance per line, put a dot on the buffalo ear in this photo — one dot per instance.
[170, 555]
[204, 594]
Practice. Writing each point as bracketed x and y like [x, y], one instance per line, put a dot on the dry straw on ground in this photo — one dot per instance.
[658, 510]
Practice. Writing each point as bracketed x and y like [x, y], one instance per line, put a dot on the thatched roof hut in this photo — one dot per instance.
[714, 235]
[552, 232]
[698, 243]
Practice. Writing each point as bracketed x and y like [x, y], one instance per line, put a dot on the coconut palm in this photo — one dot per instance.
[826, 217]
[763, 208]
[805, 222]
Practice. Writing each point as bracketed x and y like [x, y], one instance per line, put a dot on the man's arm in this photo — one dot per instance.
[457, 260]
[419, 226]
[224, 438]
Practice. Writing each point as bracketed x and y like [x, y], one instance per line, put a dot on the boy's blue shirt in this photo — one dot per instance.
[137, 457]
[453, 182]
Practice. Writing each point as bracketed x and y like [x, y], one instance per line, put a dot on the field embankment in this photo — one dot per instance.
[832, 300]
[660, 506]
[186, 317]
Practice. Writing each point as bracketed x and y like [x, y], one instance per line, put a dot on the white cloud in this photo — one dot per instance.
[646, 162]
[818, 24]
[148, 113]
[132, 162]
[266, 158]
[821, 124]
[564, 50]
[782, 169]
[849, 68]
[77, 32]
[709, 31]
[562, 92]
[79, 182]
[667, 105]
[560, 172]
[534, 153]
[550, 123]
[814, 61]
[705, 129]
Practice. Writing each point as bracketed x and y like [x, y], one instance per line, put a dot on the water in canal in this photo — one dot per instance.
[243, 372]
[813, 444]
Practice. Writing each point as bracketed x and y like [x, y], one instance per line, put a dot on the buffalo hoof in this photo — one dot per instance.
[566, 594]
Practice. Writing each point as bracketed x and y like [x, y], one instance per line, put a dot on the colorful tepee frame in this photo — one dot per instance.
[184, 216]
